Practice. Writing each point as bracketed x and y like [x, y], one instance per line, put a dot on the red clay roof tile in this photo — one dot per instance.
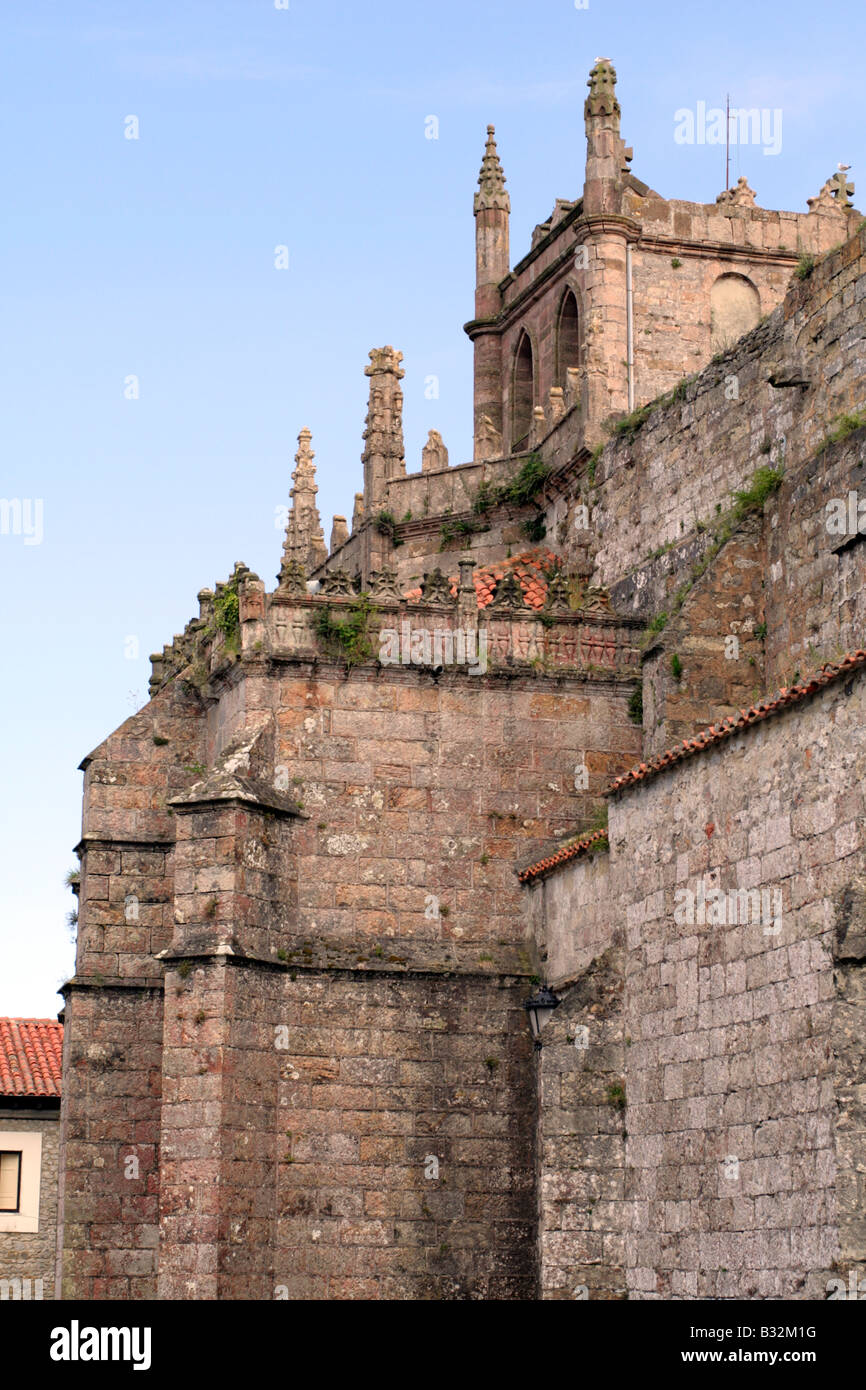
[529, 567]
[30, 1056]
[597, 840]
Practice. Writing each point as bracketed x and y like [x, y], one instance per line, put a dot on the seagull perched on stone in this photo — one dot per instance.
[843, 168]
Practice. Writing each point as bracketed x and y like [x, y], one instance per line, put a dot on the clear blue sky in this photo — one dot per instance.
[154, 257]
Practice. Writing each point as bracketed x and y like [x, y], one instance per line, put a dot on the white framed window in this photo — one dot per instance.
[20, 1179]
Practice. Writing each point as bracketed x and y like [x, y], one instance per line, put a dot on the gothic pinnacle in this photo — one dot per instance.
[304, 475]
[491, 180]
[305, 542]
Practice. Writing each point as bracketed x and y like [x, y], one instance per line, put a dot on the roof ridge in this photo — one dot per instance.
[29, 1018]
[764, 708]
[568, 851]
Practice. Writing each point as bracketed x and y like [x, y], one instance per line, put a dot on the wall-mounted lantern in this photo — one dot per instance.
[540, 1006]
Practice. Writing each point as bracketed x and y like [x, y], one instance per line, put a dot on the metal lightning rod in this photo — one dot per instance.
[727, 141]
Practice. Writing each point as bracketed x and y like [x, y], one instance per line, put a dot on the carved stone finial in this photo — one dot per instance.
[383, 584]
[602, 99]
[305, 540]
[742, 196]
[358, 512]
[509, 593]
[488, 441]
[157, 674]
[434, 455]
[491, 181]
[556, 405]
[436, 587]
[339, 533]
[836, 194]
[572, 387]
[293, 579]
[305, 471]
[338, 584]
[385, 359]
[557, 594]
[597, 600]
[538, 428]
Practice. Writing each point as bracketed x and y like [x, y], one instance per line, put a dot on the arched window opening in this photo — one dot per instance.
[567, 338]
[523, 395]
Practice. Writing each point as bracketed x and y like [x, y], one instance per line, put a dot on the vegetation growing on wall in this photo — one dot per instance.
[451, 531]
[765, 482]
[386, 525]
[846, 425]
[519, 492]
[226, 615]
[348, 635]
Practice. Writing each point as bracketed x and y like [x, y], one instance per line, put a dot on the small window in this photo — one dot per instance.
[10, 1180]
[20, 1179]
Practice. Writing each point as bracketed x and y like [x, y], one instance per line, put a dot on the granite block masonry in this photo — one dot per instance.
[324, 867]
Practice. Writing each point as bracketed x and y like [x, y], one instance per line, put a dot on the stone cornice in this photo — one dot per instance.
[227, 789]
[134, 984]
[720, 250]
[446, 970]
[88, 842]
[600, 222]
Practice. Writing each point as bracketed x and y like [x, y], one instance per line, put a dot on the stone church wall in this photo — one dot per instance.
[738, 1041]
[659, 488]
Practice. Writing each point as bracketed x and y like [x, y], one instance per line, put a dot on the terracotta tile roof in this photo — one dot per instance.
[597, 840]
[529, 567]
[734, 723]
[30, 1056]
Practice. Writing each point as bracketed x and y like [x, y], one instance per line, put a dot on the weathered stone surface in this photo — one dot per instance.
[305, 541]
[434, 455]
[303, 949]
[742, 1024]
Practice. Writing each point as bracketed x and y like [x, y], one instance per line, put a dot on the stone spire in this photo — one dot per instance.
[607, 158]
[491, 181]
[383, 455]
[492, 207]
[305, 541]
